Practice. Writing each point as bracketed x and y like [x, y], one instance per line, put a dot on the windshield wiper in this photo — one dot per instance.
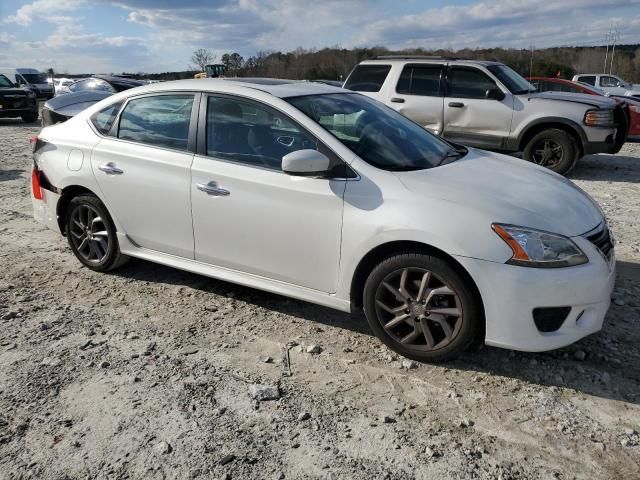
[456, 154]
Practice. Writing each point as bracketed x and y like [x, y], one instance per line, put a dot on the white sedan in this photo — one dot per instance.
[327, 196]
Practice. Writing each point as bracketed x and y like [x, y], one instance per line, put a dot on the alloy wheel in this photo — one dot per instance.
[418, 309]
[547, 153]
[89, 234]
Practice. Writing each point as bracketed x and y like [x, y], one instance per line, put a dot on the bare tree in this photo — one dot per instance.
[202, 57]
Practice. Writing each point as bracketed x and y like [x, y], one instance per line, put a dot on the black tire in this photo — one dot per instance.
[466, 300]
[30, 118]
[559, 141]
[112, 257]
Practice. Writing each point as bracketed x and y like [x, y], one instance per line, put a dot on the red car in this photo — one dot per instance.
[550, 84]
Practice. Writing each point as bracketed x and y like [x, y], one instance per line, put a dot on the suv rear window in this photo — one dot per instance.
[103, 119]
[367, 78]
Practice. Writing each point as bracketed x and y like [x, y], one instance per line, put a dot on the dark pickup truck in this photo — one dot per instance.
[17, 102]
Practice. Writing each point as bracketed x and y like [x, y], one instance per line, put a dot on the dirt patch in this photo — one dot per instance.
[151, 372]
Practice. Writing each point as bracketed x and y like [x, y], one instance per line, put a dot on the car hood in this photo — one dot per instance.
[13, 91]
[509, 190]
[592, 100]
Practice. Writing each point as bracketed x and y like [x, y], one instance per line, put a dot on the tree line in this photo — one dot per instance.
[336, 63]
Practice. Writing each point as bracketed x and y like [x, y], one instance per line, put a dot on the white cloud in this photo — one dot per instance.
[47, 10]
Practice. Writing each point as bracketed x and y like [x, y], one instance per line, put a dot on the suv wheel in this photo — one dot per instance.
[30, 117]
[421, 308]
[92, 235]
[554, 149]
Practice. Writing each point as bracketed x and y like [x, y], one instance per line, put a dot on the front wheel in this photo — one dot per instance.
[419, 306]
[554, 149]
[92, 235]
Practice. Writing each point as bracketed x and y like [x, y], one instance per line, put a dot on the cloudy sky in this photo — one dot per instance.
[155, 36]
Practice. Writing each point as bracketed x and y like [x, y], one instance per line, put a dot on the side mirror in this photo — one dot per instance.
[494, 94]
[305, 163]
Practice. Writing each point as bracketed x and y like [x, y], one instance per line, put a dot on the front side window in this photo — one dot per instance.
[5, 82]
[103, 120]
[367, 78]
[161, 121]
[252, 133]
[606, 81]
[590, 79]
[469, 83]
[376, 133]
[91, 84]
[420, 80]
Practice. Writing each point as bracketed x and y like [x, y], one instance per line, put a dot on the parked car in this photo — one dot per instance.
[30, 78]
[107, 83]
[630, 105]
[62, 107]
[609, 83]
[488, 105]
[85, 93]
[17, 102]
[325, 195]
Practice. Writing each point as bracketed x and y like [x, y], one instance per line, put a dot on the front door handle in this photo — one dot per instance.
[110, 169]
[456, 104]
[397, 100]
[213, 189]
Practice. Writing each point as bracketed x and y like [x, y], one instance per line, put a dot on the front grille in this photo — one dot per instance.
[603, 241]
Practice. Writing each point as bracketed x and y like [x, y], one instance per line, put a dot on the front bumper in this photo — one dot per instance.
[510, 294]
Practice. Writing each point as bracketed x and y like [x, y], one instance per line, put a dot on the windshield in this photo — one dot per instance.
[376, 133]
[5, 82]
[34, 77]
[512, 80]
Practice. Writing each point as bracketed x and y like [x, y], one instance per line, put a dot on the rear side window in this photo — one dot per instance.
[590, 79]
[161, 121]
[103, 120]
[469, 83]
[420, 80]
[367, 78]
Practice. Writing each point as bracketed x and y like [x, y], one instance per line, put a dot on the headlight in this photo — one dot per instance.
[536, 248]
[600, 117]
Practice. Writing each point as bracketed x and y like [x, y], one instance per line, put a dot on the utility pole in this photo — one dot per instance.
[606, 55]
[531, 61]
[616, 38]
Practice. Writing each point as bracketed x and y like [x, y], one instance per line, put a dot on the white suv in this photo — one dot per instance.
[488, 105]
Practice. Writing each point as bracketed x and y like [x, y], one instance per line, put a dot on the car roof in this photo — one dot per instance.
[402, 59]
[280, 88]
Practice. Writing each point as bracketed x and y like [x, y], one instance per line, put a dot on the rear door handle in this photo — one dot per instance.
[397, 100]
[110, 169]
[456, 104]
[213, 189]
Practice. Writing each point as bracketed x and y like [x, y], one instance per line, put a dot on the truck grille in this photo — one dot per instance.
[603, 241]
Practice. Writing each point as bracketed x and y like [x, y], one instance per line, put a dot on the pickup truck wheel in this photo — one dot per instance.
[554, 149]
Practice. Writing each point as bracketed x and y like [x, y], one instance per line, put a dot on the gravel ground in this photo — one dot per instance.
[155, 373]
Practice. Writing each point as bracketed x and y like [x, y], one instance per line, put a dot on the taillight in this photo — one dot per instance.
[36, 188]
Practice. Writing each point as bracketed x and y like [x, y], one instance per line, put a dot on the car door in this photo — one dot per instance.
[611, 84]
[143, 170]
[419, 95]
[469, 116]
[250, 216]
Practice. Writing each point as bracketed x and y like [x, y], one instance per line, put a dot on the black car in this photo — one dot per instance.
[63, 107]
[105, 83]
[17, 102]
[84, 93]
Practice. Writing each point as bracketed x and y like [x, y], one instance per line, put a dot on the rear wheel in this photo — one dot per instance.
[30, 117]
[92, 235]
[421, 307]
[554, 149]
